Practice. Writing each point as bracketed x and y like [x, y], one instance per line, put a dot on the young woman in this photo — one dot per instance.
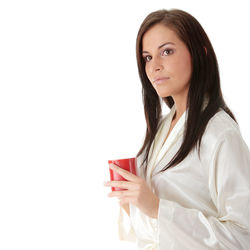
[192, 189]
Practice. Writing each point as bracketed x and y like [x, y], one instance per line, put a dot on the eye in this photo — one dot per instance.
[147, 58]
[167, 52]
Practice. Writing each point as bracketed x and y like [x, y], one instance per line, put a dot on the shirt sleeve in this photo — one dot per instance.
[229, 185]
[125, 229]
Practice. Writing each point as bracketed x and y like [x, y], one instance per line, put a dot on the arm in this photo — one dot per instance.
[125, 229]
[137, 193]
[229, 184]
[126, 208]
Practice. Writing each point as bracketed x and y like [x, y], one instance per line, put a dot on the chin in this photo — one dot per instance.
[163, 95]
[163, 91]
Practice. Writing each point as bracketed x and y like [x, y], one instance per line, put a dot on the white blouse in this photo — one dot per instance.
[204, 202]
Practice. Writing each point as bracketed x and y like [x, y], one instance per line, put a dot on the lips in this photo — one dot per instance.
[160, 80]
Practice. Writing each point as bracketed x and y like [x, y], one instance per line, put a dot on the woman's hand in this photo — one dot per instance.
[138, 193]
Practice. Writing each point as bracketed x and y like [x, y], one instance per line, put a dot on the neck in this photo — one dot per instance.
[180, 107]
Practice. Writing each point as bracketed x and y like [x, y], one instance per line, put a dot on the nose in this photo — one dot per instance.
[156, 65]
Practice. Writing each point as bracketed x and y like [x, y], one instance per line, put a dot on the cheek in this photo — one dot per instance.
[187, 65]
[184, 69]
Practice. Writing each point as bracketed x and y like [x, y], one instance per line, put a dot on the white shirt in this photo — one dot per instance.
[204, 202]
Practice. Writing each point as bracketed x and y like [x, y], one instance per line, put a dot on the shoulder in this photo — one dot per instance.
[221, 130]
[222, 145]
[220, 125]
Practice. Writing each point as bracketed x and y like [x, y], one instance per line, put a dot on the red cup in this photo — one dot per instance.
[128, 164]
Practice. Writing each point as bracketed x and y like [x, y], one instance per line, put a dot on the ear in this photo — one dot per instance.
[205, 49]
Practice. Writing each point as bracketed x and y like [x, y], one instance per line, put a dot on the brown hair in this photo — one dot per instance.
[204, 81]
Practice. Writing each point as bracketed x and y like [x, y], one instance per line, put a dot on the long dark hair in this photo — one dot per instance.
[204, 82]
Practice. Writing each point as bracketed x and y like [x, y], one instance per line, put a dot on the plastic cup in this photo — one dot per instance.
[128, 164]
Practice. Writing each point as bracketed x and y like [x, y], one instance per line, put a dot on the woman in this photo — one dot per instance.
[192, 189]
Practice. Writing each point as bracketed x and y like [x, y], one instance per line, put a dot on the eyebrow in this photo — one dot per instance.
[159, 46]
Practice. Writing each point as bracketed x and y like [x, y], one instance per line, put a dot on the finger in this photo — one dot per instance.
[124, 173]
[120, 184]
[126, 200]
[121, 194]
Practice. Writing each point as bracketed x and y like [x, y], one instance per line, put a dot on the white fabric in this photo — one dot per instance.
[204, 202]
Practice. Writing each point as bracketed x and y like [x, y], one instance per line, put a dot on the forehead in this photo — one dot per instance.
[157, 35]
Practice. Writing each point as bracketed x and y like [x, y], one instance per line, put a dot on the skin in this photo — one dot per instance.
[138, 193]
[171, 60]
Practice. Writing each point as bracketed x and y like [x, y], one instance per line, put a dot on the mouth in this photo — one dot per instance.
[160, 80]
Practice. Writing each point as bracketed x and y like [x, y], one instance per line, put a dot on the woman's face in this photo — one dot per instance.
[167, 61]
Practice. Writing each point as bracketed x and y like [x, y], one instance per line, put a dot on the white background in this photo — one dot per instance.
[70, 99]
